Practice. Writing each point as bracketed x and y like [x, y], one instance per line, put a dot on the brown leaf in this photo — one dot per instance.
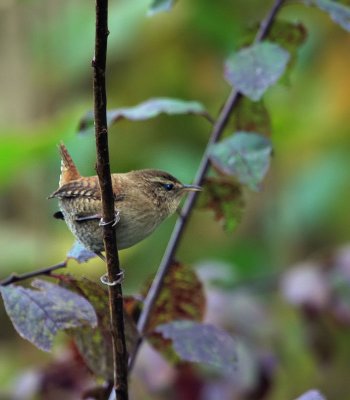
[251, 116]
[182, 298]
[224, 196]
[95, 344]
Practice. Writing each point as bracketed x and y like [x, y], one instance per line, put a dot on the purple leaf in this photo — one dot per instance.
[201, 343]
[79, 253]
[95, 342]
[306, 284]
[311, 395]
[38, 315]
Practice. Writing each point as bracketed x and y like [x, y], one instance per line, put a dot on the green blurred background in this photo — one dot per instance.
[45, 79]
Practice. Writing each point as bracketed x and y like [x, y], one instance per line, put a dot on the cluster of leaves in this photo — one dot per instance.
[241, 160]
[79, 307]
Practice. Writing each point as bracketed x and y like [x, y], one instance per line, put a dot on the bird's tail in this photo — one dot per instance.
[69, 171]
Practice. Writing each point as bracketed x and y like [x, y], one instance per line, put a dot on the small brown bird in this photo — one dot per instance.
[143, 199]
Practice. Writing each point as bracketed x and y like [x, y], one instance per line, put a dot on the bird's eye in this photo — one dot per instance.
[168, 186]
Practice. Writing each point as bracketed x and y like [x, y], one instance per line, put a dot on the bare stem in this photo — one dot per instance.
[108, 212]
[181, 223]
[13, 278]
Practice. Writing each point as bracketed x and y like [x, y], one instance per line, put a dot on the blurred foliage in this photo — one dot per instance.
[245, 156]
[181, 298]
[34, 312]
[301, 213]
[94, 343]
[224, 197]
[253, 69]
[201, 343]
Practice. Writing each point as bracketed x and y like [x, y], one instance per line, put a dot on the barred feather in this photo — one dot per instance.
[83, 187]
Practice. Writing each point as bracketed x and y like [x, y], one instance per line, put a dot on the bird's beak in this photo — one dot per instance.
[192, 188]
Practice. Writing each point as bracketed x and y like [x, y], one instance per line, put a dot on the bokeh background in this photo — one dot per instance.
[301, 217]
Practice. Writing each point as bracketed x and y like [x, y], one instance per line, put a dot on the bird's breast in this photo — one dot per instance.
[134, 225]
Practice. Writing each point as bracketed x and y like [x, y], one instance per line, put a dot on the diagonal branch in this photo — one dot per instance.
[13, 278]
[181, 223]
[108, 212]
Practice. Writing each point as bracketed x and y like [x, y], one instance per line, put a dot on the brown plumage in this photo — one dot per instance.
[143, 199]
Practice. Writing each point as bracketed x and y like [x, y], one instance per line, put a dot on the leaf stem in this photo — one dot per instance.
[181, 223]
[108, 212]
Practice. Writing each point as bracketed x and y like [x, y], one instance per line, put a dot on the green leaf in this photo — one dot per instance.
[251, 116]
[290, 36]
[243, 155]
[38, 315]
[201, 343]
[153, 107]
[225, 198]
[338, 12]
[146, 110]
[79, 253]
[254, 69]
[160, 5]
[95, 343]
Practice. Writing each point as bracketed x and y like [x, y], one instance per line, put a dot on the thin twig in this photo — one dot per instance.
[181, 223]
[13, 278]
[108, 212]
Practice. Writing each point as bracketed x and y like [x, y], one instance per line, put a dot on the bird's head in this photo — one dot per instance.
[166, 190]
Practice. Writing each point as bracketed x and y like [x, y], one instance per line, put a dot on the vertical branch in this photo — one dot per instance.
[108, 212]
[181, 223]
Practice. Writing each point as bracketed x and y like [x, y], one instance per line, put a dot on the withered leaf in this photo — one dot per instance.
[224, 196]
[182, 298]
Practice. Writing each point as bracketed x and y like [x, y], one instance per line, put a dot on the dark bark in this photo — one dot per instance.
[108, 211]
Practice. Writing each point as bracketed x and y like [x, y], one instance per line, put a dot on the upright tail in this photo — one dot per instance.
[69, 171]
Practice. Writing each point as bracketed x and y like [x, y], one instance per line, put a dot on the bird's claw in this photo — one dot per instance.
[118, 281]
[113, 222]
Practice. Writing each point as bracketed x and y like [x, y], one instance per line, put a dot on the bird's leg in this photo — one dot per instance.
[96, 216]
[120, 275]
[88, 217]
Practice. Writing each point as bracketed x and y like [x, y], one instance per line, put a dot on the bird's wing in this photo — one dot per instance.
[85, 187]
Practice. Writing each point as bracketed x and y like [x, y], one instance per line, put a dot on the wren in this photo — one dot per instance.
[142, 199]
